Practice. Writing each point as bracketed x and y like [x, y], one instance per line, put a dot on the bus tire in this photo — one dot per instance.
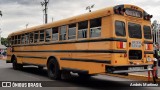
[85, 76]
[16, 66]
[66, 75]
[53, 69]
[40, 67]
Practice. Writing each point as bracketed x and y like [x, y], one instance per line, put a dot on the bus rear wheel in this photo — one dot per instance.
[85, 76]
[40, 67]
[53, 69]
[16, 66]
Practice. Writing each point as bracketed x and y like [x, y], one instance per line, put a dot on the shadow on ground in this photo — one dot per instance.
[75, 81]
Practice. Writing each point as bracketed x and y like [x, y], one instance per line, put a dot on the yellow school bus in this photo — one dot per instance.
[111, 40]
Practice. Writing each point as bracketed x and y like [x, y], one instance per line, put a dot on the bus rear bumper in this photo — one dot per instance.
[128, 69]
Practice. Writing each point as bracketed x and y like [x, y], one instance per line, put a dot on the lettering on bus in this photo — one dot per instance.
[134, 13]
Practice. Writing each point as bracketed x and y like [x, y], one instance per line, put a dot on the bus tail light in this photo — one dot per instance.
[121, 45]
[148, 46]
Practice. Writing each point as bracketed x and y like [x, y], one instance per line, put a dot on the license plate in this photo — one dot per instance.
[136, 68]
[136, 44]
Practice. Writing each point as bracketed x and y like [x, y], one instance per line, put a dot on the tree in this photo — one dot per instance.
[4, 41]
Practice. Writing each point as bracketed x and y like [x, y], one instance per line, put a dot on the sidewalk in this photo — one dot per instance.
[145, 73]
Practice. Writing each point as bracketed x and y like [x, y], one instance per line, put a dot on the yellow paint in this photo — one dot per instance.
[107, 31]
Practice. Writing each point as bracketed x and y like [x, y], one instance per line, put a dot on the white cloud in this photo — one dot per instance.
[17, 13]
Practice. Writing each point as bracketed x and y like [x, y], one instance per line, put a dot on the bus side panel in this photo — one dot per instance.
[107, 30]
[19, 60]
[92, 68]
[83, 61]
[34, 61]
[9, 54]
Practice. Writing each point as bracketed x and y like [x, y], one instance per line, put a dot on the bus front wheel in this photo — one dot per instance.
[16, 66]
[53, 69]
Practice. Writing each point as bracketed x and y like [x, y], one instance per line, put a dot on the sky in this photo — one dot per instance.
[18, 13]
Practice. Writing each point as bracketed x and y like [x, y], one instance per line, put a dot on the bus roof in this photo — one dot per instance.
[74, 19]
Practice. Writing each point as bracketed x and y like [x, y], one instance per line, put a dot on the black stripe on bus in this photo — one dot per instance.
[148, 52]
[26, 63]
[33, 57]
[148, 42]
[87, 60]
[78, 51]
[79, 41]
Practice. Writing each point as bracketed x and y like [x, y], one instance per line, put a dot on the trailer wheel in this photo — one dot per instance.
[53, 69]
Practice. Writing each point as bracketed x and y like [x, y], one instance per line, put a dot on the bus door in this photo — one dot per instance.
[135, 43]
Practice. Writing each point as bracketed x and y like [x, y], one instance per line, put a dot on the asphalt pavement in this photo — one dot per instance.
[99, 82]
[146, 73]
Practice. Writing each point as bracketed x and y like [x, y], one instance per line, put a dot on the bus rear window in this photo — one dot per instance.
[120, 28]
[147, 32]
[134, 30]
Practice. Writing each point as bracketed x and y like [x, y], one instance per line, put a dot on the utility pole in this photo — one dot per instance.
[27, 25]
[89, 7]
[155, 28]
[45, 4]
[52, 19]
[0, 36]
[1, 13]
[0, 28]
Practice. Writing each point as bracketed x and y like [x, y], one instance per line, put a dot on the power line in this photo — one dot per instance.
[45, 4]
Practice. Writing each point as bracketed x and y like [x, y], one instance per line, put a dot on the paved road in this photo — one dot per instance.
[146, 73]
[75, 83]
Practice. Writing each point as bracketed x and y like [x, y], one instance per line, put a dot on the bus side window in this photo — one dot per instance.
[31, 37]
[95, 27]
[72, 31]
[55, 34]
[41, 36]
[23, 39]
[36, 36]
[63, 30]
[120, 28]
[19, 39]
[82, 29]
[9, 42]
[48, 35]
[15, 39]
[12, 40]
[27, 38]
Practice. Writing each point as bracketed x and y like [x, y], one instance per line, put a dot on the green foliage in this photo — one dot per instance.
[4, 41]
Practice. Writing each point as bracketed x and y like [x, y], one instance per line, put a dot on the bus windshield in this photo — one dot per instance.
[134, 30]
